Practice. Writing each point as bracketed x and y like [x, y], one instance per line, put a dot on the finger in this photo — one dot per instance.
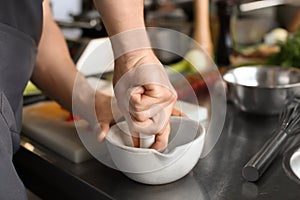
[157, 97]
[155, 124]
[140, 116]
[178, 113]
[162, 139]
[136, 97]
[136, 141]
[157, 90]
[143, 101]
[104, 131]
[148, 111]
[139, 126]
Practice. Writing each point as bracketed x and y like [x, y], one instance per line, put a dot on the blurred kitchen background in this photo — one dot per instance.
[81, 22]
[233, 32]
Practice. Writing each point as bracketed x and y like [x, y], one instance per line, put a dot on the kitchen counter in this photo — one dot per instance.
[217, 176]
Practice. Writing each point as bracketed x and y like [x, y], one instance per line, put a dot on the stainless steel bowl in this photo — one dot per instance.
[262, 89]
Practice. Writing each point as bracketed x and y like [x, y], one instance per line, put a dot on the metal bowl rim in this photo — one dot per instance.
[286, 86]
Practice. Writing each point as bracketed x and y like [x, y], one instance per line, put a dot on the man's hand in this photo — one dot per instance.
[145, 96]
[104, 113]
[106, 117]
[152, 99]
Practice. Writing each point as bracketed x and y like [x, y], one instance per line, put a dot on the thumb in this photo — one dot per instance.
[104, 130]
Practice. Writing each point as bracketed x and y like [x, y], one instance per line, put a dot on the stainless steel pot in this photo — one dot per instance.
[262, 89]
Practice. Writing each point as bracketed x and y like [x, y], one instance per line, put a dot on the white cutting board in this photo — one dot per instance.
[45, 123]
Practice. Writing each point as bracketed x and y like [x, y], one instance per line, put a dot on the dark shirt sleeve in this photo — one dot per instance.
[24, 15]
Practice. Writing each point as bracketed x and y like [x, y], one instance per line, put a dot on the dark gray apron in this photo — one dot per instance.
[20, 29]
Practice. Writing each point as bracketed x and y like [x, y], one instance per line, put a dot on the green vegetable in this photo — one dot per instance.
[193, 57]
[31, 89]
[289, 54]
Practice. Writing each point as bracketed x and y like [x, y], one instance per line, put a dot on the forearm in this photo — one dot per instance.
[55, 72]
[124, 21]
[121, 15]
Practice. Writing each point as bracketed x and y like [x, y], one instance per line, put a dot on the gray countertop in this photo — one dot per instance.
[217, 176]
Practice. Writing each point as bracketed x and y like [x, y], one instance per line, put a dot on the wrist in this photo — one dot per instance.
[132, 60]
[130, 41]
[83, 99]
[135, 58]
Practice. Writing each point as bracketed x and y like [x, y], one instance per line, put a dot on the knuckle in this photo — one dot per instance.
[141, 117]
[174, 98]
[136, 106]
[163, 145]
[134, 99]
